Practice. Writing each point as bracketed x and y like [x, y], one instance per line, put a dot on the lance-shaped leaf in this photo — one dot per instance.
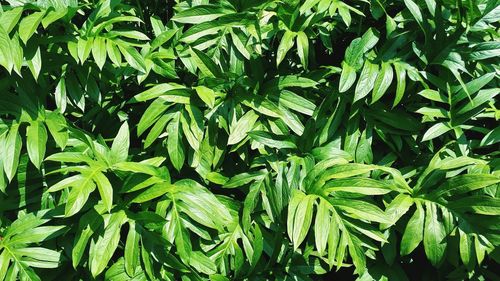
[286, 44]
[175, 145]
[199, 14]
[270, 140]
[29, 25]
[36, 142]
[103, 249]
[121, 144]
[12, 144]
[242, 127]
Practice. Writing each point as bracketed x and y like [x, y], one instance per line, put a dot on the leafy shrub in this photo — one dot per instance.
[249, 140]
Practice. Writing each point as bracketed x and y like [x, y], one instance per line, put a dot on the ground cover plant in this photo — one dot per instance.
[249, 140]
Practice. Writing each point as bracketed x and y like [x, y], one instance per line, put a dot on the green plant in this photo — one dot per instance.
[249, 140]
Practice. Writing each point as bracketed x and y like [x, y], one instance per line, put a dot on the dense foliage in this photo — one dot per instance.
[249, 140]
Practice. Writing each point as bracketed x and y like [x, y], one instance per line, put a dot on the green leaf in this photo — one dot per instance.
[433, 112]
[84, 48]
[156, 91]
[157, 129]
[132, 253]
[182, 240]
[466, 249]
[103, 249]
[279, 142]
[295, 102]
[37, 234]
[200, 30]
[492, 137]
[113, 52]
[163, 38]
[398, 207]
[366, 81]
[303, 48]
[382, 82]
[206, 95]
[202, 263]
[286, 44]
[414, 232]
[479, 204]
[175, 145]
[292, 121]
[13, 145]
[244, 178]
[99, 51]
[435, 131]
[6, 56]
[347, 77]
[78, 196]
[322, 226]
[239, 45]
[464, 183]
[60, 95]
[28, 25]
[357, 254]
[143, 167]
[342, 249]
[359, 46]
[485, 50]
[205, 63]
[361, 209]
[54, 15]
[27, 273]
[357, 185]
[133, 57]
[150, 115]
[67, 182]
[199, 14]
[69, 157]
[4, 264]
[401, 83]
[308, 4]
[433, 95]
[132, 34]
[36, 142]
[10, 18]
[57, 127]
[153, 192]
[242, 127]
[17, 53]
[87, 224]
[295, 200]
[288, 81]
[270, 140]
[415, 11]
[434, 236]
[39, 257]
[35, 63]
[105, 189]
[339, 172]
[482, 97]
[121, 144]
[302, 220]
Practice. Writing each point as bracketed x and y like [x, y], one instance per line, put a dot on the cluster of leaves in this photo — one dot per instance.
[249, 140]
